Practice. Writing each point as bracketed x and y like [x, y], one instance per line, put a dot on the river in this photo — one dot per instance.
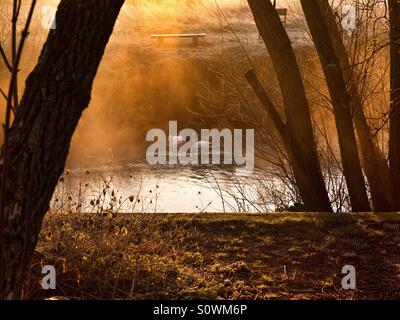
[136, 186]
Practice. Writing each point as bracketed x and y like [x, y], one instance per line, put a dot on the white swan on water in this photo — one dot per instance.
[202, 145]
[177, 140]
[199, 146]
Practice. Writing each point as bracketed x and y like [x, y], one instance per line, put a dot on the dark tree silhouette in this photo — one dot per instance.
[315, 16]
[302, 146]
[394, 143]
[56, 93]
[374, 163]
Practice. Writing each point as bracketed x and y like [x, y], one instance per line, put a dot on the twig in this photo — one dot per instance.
[5, 97]
[5, 59]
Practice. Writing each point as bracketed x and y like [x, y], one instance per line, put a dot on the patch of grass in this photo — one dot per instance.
[218, 256]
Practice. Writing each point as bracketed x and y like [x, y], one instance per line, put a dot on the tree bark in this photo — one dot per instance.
[269, 107]
[394, 140]
[373, 161]
[56, 93]
[340, 103]
[306, 167]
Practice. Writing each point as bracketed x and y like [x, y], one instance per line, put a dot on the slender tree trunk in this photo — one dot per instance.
[56, 93]
[373, 161]
[305, 164]
[269, 107]
[341, 105]
[394, 141]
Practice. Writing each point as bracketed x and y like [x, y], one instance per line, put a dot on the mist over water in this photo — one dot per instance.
[140, 86]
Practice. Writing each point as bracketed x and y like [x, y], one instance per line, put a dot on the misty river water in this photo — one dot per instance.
[136, 186]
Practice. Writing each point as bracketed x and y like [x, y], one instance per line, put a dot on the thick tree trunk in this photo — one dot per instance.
[394, 141]
[373, 161]
[340, 103]
[305, 164]
[56, 93]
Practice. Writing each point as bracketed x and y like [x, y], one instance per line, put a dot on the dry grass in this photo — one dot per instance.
[218, 256]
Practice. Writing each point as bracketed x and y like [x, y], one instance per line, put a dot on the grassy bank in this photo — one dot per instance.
[219, 256]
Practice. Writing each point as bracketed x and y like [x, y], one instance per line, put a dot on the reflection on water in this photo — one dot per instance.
[138, 187]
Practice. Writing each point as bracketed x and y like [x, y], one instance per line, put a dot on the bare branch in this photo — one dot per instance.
[5, 59]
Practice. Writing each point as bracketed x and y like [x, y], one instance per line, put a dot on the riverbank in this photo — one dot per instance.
[219, 256]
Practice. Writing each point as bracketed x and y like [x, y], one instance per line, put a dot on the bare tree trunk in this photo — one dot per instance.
[56, 93]
[306, 167]
[269, 107]
[394, 141]
[341, 105]
[373, 161]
